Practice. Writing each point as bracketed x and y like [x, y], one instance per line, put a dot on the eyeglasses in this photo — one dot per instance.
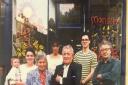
[105, 49]
[85, 40]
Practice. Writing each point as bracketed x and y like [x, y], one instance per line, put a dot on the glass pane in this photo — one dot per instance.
[69, 15]
[106, 23]
[29, 26]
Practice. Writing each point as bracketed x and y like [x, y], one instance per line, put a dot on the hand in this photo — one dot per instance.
[83, 81]
[58, 78]
[99, 77]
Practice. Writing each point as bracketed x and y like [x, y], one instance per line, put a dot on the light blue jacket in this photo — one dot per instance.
[33, 78]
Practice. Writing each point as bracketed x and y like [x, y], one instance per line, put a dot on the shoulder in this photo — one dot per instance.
[76, 64]
[60, 56]
[59, 66]
[12, 69]
[10, 73]
[48, 56]
[33, 72]
[79, 53]
[34, 66]
[48, 73]
[92, 53]
[23, 66]
[116, 61]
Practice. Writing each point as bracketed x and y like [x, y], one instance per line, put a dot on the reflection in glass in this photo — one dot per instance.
[69, 15]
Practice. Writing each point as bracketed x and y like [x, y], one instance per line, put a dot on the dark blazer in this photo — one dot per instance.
[110, 72]
[73, 75]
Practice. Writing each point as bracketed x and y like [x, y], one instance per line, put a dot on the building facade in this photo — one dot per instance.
[36, 23]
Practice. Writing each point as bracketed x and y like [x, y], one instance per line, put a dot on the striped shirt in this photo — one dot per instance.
[87, 61]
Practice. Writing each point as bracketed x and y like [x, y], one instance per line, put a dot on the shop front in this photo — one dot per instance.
[25, 23]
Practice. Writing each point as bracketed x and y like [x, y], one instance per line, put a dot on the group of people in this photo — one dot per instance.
[67, 68]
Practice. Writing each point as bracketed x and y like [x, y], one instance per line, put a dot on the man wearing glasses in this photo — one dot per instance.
[87, 59]
[108, 69]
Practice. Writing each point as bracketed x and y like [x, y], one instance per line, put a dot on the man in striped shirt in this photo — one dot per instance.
[87, 59]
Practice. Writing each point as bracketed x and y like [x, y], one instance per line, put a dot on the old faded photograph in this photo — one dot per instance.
[62, 42]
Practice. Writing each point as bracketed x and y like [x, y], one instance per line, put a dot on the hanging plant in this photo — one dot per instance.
[38, 47]
[20, 51]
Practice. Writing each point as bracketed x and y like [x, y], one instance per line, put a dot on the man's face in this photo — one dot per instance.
[105, 51]
[85, 41]
[42, 64]
[67, 56]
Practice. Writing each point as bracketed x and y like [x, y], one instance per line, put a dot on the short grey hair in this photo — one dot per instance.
[105, 42]
[68, 47]
[41, 56]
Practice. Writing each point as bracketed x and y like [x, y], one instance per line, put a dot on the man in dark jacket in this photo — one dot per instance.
[68, 73]
[108, 70]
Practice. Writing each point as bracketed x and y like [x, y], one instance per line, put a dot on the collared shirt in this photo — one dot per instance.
[42, 77]
[65, 72]
[25, 70]
[110, 72]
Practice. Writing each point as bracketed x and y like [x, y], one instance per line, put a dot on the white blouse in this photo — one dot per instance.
[53, 61]
[25, 70]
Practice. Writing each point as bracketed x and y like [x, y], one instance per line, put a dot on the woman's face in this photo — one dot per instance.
[42, 64]
[30, 57]
[55, 49]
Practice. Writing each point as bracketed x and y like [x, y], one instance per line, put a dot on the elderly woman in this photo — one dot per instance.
[39, 76]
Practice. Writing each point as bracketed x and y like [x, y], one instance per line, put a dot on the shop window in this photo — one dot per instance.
[69, 15]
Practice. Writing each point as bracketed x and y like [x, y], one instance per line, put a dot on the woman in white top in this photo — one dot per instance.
[54, 58]
[28, 66]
